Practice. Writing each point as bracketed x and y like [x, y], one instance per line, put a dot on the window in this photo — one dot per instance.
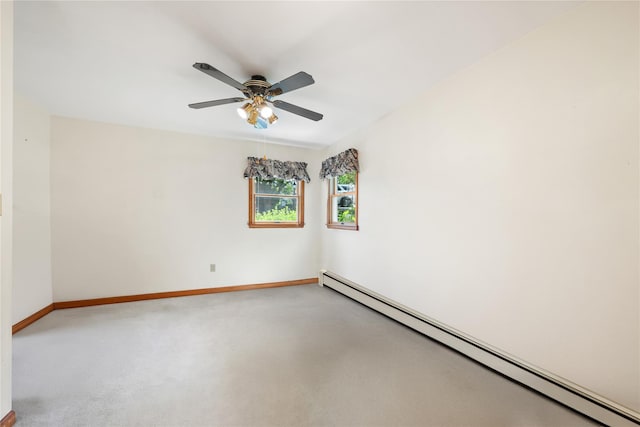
[342, 209]
[276, 192]
[276, 203]
[342, 172]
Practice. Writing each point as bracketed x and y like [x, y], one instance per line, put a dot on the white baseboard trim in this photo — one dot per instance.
[557, 388]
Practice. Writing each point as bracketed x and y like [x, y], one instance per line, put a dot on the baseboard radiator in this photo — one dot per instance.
[558, 389]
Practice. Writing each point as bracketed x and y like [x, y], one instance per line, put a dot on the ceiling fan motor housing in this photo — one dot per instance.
[257, 84]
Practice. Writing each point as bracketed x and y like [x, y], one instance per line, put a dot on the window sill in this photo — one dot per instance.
[343, 227]
[276, 225]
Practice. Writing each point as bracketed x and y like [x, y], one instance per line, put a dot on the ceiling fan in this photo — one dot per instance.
[258, 94]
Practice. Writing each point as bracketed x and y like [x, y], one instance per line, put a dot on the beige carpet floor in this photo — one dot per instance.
[296, 356]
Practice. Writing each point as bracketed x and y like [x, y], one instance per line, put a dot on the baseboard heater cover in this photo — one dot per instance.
[557, 388]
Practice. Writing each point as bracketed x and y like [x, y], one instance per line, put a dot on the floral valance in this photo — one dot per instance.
[271, 169]
[342, 163]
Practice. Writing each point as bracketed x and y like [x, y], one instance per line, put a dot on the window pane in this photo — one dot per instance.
[276, 186]
[276, 209]
[346, 183]
[344, 209]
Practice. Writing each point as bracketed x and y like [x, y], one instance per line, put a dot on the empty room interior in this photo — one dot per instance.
[338, 213]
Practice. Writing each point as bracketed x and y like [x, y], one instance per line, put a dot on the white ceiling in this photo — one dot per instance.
[131, 62]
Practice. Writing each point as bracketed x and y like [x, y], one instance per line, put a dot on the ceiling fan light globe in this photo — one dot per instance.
[266, 111]
[243, 111]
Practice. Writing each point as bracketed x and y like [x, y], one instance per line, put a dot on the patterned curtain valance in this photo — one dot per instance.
[342, 163]
[271, 169]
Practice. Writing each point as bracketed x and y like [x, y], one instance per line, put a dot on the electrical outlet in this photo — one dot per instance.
[212, 268]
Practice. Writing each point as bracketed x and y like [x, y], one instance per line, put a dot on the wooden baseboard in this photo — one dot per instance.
[9, 420]
[174, 294]
[158, 295]
[29, 320]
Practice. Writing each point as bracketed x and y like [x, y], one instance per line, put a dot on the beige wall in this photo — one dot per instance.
[31, 210]
[136, 211]
[6, 164]
[504, 202]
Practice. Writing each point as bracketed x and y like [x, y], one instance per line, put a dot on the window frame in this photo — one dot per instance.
[263, 224]
[333, 194]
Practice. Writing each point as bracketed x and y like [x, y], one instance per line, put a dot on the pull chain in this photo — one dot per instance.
[264, 147]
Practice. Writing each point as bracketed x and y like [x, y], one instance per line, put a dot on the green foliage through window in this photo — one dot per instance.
[348, 215]
[277, 215]
[347, 178]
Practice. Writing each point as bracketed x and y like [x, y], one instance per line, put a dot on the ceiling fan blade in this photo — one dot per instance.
[217, 74]
[311, 115]
[294, 82]
[216, 102]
